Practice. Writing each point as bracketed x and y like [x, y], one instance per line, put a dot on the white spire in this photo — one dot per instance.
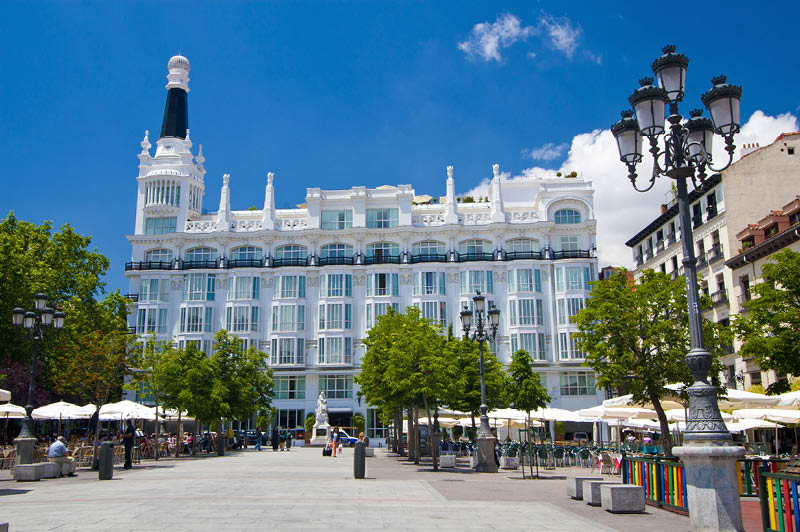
[145, 144]
[178, 76]
[268, 217]
[497, 214]
[224, 213]
[450, 216]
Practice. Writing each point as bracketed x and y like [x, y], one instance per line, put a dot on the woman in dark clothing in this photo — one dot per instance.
[276, 436]
[335, 439]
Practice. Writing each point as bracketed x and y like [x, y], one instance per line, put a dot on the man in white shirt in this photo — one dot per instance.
[58, 453]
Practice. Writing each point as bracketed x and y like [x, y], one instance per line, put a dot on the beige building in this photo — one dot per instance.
[757, 243]
[764, 178]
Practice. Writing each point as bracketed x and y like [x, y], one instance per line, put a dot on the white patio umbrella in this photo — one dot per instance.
[627, 400]
[747, 424]
[61, 410]
[738, 398]
[9, 411]
[5, 395]
[770, 414]
[679, 414]
[789, 400]
[128, 410]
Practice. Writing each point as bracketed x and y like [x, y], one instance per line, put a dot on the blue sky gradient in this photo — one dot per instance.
[336, 94]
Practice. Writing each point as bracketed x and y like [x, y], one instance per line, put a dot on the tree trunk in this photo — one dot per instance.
[417, 443]
[398, 432]
[431, 435]
[410, 433]
[96, 435]
[179, 437]
[158, 433]
[666, 438]
[220, 440]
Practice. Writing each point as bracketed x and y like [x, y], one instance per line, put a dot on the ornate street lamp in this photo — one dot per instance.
[686, 153]
[486, 442]
[38, 323]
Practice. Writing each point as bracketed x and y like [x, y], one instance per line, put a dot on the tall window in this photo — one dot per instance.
[563, 344]
[382, 218]
[244, 288]
[383, 249]
[154, 290]
[290, 286]
[382, 284]
[574, 305]
[158, 255]
[201, 254]
[577, 383]
[574, 278]
[335, 316]
[291, 251]
[375, 427]
[241, 318]
[336, 250]
[473, 281]
[291, 418]
[289, 387]
[374, 310]
[434, 311]
[428, 248]
[522, 245]
[288, 318]
[287, 351]
[336, 285]
[160, 226]
[524, 280]
[525, 312]
[336, 219]
[532, 343]
[568, 243]
[567, 216]
[336, 386]
[199, 286]
[475, 246]
[335, 350]
[573, 347]
[246, 253]
[429, 283]
[151, 320]
[196, 319]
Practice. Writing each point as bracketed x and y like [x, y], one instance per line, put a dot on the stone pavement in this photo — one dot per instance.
[300, 489]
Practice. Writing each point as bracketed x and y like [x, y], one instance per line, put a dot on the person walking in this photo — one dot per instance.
[289, 437]
[335, 439]
[258, 438]
[276, 437]
[127, 438]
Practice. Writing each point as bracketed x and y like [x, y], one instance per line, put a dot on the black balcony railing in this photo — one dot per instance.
[468, 257]
[572, 254]
[743, 299]
[638, 260]
[720, 297]
[148, 265]
[516, 255]
[328, 261]
[670, 239]
[660, 245]
[715, 253]
[428, 257]
[198, 264]
[290, 261]
[382, 259]
[702, 261]
[132, 297]
[648, 254]
[244, 263]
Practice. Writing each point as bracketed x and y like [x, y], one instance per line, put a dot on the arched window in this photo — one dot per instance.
[336, 250]
[525, 245]
[475, 246]
[158, 255]
[427, 248]
[201, 254]
[246, 253]
[567, 216]
[383, 249]
[291, 251]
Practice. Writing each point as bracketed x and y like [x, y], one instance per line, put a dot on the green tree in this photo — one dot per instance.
[148, 361]
[526, 391]
[770, 330]
[636, 335]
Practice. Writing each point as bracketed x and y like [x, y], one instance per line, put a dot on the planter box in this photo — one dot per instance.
[509, 462]
[369, 452]
[447, 460]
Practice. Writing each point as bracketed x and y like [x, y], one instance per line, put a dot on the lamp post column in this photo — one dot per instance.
[26, 441]
[486, 441]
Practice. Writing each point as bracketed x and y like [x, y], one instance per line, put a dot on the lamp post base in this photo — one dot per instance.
[25, 450]
[486, 463]
[712, 487]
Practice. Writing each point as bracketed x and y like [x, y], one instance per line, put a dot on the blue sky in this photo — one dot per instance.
[336, 94]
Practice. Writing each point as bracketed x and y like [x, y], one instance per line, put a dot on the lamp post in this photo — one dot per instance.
[707, 453]
[37, 324]
[486, 441]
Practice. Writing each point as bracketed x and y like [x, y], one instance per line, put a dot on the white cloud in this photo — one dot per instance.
[621, 211]
[561, 33]
[546, 152]
[486, 39]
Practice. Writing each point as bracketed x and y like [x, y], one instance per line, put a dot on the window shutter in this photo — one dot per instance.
[489, 283]
[416, 283]
[301, 290]
[301, 317]
[348, 285]
[395, 287]
[537, 279]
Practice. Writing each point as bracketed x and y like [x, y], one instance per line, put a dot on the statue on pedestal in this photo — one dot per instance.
[321, 430]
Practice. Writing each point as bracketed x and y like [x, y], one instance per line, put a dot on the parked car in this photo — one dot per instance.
[346, 439]
[580, 436]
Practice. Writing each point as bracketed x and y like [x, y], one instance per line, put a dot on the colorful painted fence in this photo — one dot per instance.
[780, 510]
[750, 470]
[662, 478]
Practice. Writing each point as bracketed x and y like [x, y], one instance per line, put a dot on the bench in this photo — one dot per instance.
[591, 491]
[447, 460]
[29, 472]
[622, 498]
[51, 470]
[575, 486]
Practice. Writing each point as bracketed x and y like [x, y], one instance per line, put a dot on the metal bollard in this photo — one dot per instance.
[359, 460]
[105, 469]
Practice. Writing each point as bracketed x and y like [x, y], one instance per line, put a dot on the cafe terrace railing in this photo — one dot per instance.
[780, 510]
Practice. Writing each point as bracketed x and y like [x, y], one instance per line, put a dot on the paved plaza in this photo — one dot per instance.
[288, 490]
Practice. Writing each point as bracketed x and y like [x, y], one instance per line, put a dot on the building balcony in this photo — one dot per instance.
[648, 254]
[290, 261]
[133, 298]
[697, 221]
[638, 261]
[469, 257]
[428, 257]
[671, 239]
[199, 264]
[743, 299]
[715, 253]
[702, 261]
[382, 259]
[336, 261]
[517, 255]
[711, 211]
[148, 265]
[245, 263]
[719, 298]
[660, 246]
[572, 254]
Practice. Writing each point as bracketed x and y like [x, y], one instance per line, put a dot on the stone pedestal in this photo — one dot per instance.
[25, 450]
[29, 472]
[447, 460]
[321, 435]
[712, 489]
[486, 463]
[575, 486]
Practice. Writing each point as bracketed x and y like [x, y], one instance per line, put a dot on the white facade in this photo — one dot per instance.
[304, 285]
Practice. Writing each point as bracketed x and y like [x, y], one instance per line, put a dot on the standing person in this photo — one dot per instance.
[275, 439]
[282, 435]
[335, 439]
[127, 438]
[258, 438]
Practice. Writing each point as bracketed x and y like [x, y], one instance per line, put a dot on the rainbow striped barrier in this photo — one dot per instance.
[780, 510]
[662, 478]
[750, 470]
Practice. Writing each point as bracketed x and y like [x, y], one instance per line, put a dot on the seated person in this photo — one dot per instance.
[58, 453]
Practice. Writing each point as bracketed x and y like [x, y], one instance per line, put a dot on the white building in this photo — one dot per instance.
[304, 285]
